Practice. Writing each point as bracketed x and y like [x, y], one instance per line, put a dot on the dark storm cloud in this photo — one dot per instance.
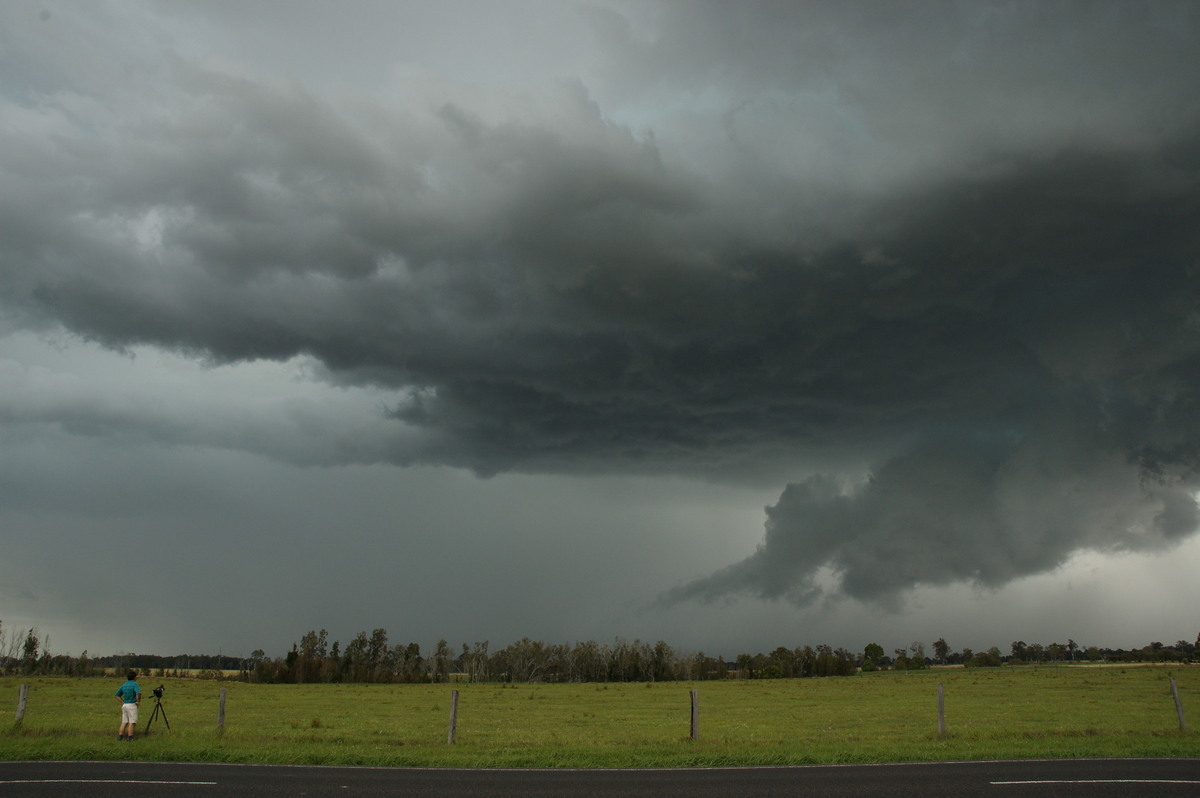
[995, 320]
[1039, 354]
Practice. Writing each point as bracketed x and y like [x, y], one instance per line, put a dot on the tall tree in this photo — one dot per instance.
[663, 668]
[356, 663]
[311, 656]
[29, 651]
[441, 662]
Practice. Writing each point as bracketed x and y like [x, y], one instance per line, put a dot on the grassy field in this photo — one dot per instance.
[885, 717]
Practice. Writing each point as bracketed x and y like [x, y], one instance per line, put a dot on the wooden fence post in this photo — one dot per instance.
[941, 694]
[22, 696]
[1178, 706]
[695, 716]
[221, 713]
[452, 733]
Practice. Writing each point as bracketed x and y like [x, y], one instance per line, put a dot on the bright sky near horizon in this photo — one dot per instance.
[735, 325]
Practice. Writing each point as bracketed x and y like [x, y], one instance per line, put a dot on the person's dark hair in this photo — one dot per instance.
[131, 675]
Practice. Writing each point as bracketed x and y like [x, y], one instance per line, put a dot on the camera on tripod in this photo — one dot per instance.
[159, 709]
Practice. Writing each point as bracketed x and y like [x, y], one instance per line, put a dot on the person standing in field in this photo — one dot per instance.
[130, 694]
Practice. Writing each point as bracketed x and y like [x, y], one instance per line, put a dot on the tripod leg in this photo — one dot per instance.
[160, 708]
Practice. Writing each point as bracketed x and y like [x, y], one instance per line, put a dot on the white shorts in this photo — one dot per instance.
[129, 713]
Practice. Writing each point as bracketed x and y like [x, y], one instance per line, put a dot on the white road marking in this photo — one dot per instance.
[1098, 781]
[103, 781]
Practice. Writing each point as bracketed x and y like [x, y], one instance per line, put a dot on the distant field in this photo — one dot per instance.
[884, 717]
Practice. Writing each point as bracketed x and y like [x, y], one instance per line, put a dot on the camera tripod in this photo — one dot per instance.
[158, 710]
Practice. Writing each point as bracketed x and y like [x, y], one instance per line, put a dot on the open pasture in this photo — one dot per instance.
[884, 717]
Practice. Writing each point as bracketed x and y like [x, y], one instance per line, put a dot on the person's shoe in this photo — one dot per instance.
[120, 736]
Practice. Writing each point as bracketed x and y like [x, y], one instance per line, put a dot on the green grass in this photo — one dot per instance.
[886, 717]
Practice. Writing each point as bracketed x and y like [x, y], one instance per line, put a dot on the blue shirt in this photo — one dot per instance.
[130, 692]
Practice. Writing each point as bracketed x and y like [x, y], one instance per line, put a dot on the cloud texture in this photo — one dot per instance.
[934, 267]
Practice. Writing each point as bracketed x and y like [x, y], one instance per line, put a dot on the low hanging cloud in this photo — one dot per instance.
[957, 510]
[995, 320]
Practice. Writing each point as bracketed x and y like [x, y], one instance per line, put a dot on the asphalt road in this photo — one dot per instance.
[1095, 778]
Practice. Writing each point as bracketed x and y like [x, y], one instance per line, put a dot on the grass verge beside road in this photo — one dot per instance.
[999, 713]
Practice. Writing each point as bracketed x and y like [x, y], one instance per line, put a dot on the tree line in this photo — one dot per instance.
[372, 658]
[26, 652]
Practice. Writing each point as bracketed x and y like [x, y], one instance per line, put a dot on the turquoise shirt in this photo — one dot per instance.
[129, 692]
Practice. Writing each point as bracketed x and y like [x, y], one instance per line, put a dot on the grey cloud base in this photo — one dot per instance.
[949, 513]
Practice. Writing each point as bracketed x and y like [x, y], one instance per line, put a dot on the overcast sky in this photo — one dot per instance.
[735, 325]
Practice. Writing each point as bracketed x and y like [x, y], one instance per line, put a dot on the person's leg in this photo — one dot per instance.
[128, 718]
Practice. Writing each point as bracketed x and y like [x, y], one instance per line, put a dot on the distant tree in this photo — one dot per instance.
[806, 660]
[311, 656]
[265, 670]
[479, 668]
[45, 662]
[706, 667]
[1019, 650]
[356, 663]
[844, 664]
[825, 663]
[941, 650]
[588, 662]
[534, 661]
[441, 662]
[379, 654]
[917, 661]
[663, 663]
[872, 656]
[985, 659]
[412, 665]
[331, 669]
[289, 664]
[10, 648]
[29, 651]
[629, 662]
